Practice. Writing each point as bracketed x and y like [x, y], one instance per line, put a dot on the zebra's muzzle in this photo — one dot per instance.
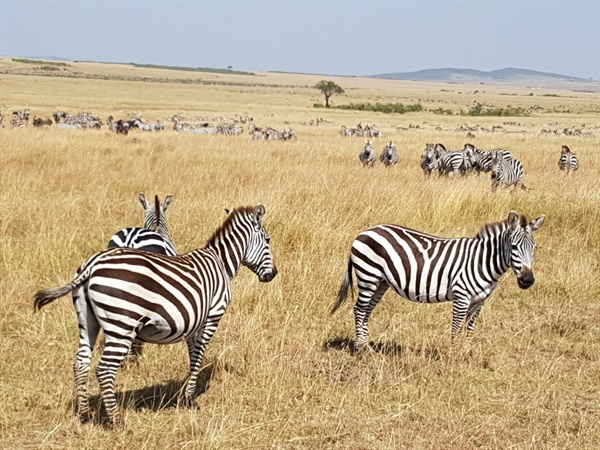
[266, 277]
[526, 279]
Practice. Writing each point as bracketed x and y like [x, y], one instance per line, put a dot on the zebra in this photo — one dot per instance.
[367, 155]
[2, 119]
[431, 269]
[449, 162]
[484, 158]
[389, 155]
[154, 236]
[568, 160]
[132, 294]
[428, 160]
[507, 173]
[20, 118]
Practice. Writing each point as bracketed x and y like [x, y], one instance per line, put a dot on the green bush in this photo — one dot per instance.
[387, 108]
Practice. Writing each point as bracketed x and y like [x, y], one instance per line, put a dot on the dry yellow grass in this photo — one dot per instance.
[277, 374]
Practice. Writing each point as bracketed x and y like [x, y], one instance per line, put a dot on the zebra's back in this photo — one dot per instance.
[142, 239]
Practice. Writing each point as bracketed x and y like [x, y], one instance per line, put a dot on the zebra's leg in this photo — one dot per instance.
[88, 333]
[472, 315]
[368, 297]
[460, 308]
[196, 347]
[135, 353]
[116, 349]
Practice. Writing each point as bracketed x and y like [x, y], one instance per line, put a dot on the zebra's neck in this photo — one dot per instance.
[498, 234]
[230, 241]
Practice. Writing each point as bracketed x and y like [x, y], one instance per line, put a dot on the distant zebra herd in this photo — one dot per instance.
[506, 171]
[85, 120]
[361, 131]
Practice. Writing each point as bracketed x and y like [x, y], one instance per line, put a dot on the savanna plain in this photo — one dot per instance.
[279, 372]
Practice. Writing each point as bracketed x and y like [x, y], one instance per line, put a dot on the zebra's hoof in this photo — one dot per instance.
[359, 347]
[189, 403]
[86, 417]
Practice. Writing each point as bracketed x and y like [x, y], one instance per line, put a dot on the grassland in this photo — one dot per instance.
[278, 373]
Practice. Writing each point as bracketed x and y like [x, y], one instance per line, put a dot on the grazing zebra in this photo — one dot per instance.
[431, 269]
[39, 122]
[428, 160]
[507, 173]
[568, 160]
[367, 154]
[20, 118]
[132, 294]
[389, 156]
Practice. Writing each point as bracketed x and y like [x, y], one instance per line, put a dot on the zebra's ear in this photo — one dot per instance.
[167, 203]
[535, 224]
[259, 213]
[143, 200]
[513, 219]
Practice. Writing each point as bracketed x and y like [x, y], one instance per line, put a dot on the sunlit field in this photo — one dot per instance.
[279, 372]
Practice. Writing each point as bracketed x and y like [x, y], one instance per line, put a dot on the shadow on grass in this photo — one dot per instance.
[154, 398]
[385, 348]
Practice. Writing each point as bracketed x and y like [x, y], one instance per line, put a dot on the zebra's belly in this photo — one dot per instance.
[424, 296]
[158, 331]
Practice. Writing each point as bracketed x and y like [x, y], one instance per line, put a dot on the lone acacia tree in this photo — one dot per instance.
[328, 88]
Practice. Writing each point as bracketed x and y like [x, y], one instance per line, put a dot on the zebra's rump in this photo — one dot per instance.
[164, 298]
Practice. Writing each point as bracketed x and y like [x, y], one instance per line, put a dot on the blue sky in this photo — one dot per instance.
[324, 37]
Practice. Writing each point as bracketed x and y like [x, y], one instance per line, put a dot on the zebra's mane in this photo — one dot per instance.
[493, 227]
[240, 210]
[157, 212]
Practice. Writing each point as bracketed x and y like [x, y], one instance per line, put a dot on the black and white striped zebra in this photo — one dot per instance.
[367, 155]
[389, 156]
[154, 236]
[450, 162]
[507, 173]
[431, 269]
[428, 160]
[132, 294]
[568, 160]
[484, 158]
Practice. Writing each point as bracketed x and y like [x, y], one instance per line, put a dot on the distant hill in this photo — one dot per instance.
[453, 75]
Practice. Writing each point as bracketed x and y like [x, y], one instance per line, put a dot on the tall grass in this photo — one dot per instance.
[278, 373]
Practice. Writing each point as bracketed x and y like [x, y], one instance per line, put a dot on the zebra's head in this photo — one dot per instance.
[521, 247]
[258, 257]
[155, 212]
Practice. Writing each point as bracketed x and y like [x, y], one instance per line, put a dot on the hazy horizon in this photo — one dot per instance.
[351, 38]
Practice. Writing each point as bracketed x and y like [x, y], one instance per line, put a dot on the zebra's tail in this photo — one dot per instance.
[346, 285]
[43, 297]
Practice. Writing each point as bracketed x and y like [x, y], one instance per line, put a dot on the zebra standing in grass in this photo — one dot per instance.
[160, 299]
[568, 160]
[389, 156]
[154, 236]
[449, 162]
[484, 158]
[428, 160]
[367, 154]
[430, 269]
[507, 173]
